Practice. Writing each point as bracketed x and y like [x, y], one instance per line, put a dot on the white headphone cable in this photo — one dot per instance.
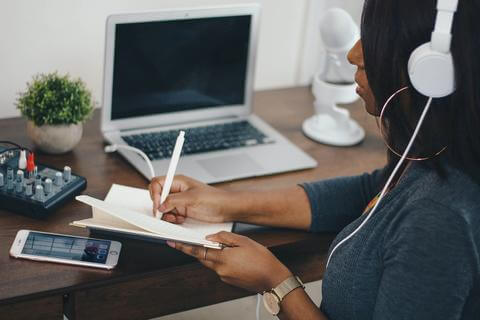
[115, 147]
[257, 311]
[392, 175]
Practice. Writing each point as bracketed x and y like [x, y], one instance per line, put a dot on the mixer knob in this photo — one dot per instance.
[2, 182]
[38, 181]
[29, 190]
[58, 179]
[18, 185]
[39, 195]
[20, 175]
[9, 184]
[67, 173]
[9, 173]
[48, 185]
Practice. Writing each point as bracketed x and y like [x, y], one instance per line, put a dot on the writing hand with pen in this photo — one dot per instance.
[243, 262]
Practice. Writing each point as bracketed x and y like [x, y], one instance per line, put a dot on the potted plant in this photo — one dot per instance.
[55, 107]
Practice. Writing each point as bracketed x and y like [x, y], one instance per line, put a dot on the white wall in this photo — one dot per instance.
[68, 36]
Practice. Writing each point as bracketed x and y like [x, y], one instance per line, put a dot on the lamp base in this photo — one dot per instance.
[324, 129]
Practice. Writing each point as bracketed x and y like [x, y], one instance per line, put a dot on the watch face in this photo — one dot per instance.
[271, 303]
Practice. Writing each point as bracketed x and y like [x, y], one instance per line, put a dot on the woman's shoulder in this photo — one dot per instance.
[438, 210]
[449, 191]
[433, 233]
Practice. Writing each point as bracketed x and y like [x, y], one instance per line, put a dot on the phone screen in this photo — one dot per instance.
[65, 247]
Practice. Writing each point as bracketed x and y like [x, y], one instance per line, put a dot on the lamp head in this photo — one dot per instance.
[339, 33]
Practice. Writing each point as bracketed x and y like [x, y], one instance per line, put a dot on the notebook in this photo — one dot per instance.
[128, 210]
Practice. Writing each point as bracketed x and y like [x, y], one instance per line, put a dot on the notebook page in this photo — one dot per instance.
[100, 224]
[138, 200]
[163, 229]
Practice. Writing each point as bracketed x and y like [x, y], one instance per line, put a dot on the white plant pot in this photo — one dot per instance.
[55, 139]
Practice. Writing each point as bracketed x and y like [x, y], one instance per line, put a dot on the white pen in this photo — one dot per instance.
[172, 167]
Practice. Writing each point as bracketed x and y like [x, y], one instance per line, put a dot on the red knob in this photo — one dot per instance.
[30, 162]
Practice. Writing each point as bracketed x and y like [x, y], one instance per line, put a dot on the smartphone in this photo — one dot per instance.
[60, 248]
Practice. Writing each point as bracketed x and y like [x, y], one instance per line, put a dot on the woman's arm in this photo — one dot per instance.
[327, 205]
[279, 208]
[282, 208]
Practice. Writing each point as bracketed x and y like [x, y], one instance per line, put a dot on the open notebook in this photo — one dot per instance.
[129, 210]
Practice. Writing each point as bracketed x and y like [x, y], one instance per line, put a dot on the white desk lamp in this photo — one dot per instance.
[334, 84]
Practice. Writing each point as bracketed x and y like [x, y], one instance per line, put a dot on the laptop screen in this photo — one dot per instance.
[179, 65]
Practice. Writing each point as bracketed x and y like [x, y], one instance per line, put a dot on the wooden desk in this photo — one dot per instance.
[154, 280]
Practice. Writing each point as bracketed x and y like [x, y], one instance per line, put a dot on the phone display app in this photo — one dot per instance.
[64, 247]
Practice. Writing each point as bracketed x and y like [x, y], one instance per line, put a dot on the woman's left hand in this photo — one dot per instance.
[243, 262]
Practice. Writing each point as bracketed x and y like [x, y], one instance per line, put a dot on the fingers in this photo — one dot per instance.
[212, 255]
[180, 219]
[173, 218]
[208, 264]
[155, 188]
[179, 184]
[179, 201]
[169, 217]
[227, 238]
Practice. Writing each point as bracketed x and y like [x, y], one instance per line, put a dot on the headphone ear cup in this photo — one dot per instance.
[431, 73]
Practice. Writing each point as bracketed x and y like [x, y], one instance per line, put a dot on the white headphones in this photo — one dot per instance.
[432, 73]
[430, 66]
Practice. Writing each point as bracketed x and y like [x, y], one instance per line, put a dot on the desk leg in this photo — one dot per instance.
[69, 306]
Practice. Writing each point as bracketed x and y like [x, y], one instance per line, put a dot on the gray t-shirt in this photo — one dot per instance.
[418, 255]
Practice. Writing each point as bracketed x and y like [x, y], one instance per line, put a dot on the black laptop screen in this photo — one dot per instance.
[179, 65]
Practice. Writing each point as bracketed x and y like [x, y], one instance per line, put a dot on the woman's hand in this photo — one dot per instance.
[190, 198]
[243, 263]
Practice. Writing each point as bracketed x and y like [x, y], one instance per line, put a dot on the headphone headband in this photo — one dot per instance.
[442, 34]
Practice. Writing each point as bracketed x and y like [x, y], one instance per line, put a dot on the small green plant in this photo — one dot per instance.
[51, 99]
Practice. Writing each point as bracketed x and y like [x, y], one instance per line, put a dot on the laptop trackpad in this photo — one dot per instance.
[231, 165]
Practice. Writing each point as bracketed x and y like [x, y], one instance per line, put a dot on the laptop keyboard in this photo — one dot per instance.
[159, 145]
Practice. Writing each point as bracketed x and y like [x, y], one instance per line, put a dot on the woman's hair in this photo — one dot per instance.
[391, 30]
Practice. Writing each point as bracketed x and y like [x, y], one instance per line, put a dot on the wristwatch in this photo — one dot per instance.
[273, 298]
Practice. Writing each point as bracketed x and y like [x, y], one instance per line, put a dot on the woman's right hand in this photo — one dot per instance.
[191, 198]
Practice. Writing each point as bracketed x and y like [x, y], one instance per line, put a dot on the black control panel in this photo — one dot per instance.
[37, 191]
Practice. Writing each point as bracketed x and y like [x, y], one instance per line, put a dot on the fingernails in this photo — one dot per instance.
[171, 244]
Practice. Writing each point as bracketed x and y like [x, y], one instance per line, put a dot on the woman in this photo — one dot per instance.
[417, 257]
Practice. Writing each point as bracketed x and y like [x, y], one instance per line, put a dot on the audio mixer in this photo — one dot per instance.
[33, 189]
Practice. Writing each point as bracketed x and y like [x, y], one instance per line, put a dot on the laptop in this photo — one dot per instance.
[191, 70]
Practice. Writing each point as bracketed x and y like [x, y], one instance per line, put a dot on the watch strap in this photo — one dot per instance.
[287, 286]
